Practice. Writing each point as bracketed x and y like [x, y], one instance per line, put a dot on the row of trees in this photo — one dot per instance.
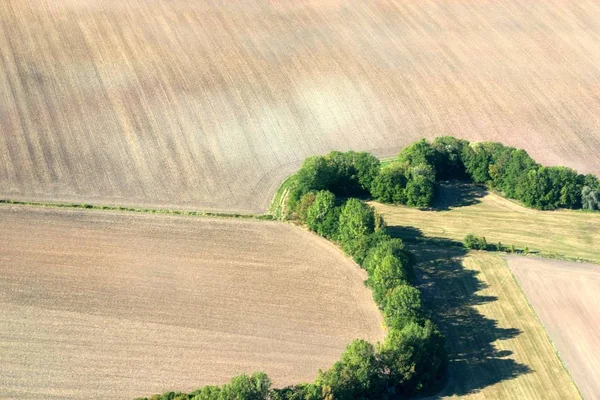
[410, 178]
[506, 169]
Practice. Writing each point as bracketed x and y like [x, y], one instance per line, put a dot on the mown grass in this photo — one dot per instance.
[497, 348]
[462, 209]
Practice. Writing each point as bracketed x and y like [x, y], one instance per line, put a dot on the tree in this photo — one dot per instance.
[356, 223]
[420, 188]
[323, 216]
[475, 243]
[449, 164]
[412, 359]
[420, 152]
[355, 376]
[389, 185]
[403, 306]
[302, 206]
[244, 387]
[388, 274]
[389, 247]
[590, 198]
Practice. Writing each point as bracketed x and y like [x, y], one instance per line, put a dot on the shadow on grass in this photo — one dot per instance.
[451, 293]
[457, 194]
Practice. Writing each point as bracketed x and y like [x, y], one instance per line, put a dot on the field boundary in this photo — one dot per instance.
[139, 210]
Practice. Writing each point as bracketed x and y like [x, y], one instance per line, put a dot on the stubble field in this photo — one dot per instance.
[112, 305]
[208, 105]
[497, 347]
[565, 297]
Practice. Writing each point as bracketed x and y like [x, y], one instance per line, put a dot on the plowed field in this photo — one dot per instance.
[565, 297]
[110, 305]
[208, 105]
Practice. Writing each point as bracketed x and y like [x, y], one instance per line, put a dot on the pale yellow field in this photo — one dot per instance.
[113, 306]
[566, 233]
[498, 349]
[208, 105]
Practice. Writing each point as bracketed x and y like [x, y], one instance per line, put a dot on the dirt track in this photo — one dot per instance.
[208, 105]
[565, 297]
[112, 305]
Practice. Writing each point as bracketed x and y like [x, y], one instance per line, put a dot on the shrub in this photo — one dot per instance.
[475, 243]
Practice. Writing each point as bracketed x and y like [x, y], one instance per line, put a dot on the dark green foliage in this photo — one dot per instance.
[449, 163]
[344, 174]
[475, 243]
[403, 305]
[412, 358]
[477, 160]
[355, 376]
[323, 215]
[509, 170]
[548, 188]
[310, 391]
[389, 185]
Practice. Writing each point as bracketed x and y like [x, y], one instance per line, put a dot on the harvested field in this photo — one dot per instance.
[462, 209]
[208, 105]
[565, 297]
[111, 305]
[497, 347]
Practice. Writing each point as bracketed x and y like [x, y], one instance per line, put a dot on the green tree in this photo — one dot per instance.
[420, 152]
[388, 274]
[420, 188]
[389, 185]
[590, 198]
[389, 247]
[355, 376]
[302, 206]
[412, 359]
[356, 223]
[323, 216]
[403, 305]
[244, 387]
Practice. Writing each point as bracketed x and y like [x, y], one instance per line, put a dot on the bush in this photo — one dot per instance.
[475, 243]
[590, 198]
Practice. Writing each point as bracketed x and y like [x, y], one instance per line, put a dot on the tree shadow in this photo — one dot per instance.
[451, 293]
[457, 194]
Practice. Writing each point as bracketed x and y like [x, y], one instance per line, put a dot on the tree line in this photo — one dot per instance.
[410, 178]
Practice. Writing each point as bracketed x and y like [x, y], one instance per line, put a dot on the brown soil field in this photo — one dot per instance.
[565, 297]
[112, 305]
[208, 105]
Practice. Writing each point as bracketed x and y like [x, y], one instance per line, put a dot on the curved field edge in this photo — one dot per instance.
[125, 304]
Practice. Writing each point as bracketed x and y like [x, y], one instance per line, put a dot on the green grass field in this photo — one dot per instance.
[463, 209]
[497, 347]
